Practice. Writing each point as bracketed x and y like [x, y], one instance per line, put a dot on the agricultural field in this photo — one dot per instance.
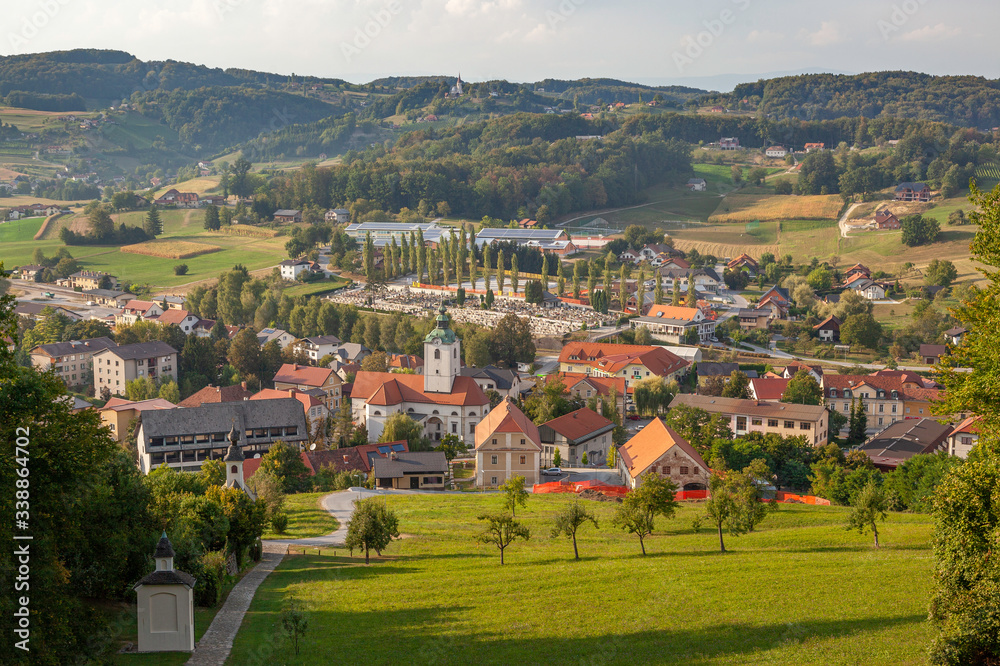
[740, 207]
[178, 226]
[437, 596]
[170, 249]
[200, 186]
[30, 120]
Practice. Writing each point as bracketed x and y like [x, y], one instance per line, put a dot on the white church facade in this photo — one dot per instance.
[441, 400]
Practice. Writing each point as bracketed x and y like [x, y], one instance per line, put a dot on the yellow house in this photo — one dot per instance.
[118, 413]
[507, 444]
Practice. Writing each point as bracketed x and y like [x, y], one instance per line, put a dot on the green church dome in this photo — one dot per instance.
[443, 330]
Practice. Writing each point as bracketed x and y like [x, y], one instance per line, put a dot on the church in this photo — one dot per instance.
[441, 400]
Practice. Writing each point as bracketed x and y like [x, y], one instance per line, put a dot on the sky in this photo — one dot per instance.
[705, 43]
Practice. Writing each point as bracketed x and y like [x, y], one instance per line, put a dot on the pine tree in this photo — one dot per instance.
[153, 225]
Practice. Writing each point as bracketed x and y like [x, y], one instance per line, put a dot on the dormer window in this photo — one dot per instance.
[833, 393]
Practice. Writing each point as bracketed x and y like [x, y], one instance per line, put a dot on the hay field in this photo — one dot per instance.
[764, 208]
[171, 249]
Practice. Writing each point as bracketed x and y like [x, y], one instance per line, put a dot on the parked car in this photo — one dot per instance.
[633, 417]
[551, 471]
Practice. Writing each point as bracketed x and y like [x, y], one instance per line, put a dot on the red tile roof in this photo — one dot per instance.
[600, 384]
[672, 312]
[174, 317]
[577, 425]
[767, 388]
[968, 426]
[303, 375]
[650, 444]
[613, 358]
[386, 388]
[506, 417]
[405, 361]
[831, 322]
[308, 401]
[211, 394]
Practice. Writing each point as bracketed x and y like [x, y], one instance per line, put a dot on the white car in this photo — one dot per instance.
[551, 471]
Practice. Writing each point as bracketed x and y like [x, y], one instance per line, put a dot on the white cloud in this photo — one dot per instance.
[764, 37]
[829, 34]
[473, 7]
[929, 33]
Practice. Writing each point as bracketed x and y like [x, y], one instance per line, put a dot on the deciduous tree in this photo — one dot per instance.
[373, 526]
[501, 530]
[569, 520]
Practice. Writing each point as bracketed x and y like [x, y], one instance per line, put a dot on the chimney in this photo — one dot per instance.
[244, 385]
[392, 455]
[345, 457]
[291, 393]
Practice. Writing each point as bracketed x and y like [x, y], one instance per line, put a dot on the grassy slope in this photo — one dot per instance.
[801, 590]
[186, 225]
[306, 518]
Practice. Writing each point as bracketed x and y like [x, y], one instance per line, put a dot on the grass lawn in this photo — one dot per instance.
[178, 225]
[313, 288]
[800, 590]
[306, 518]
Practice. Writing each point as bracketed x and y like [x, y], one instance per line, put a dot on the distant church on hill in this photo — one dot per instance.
[441, 400]
[457, 89]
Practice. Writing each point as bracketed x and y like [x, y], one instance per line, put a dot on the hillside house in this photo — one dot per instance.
[902, 440]
[744, 262]
[931, 354]
[963, 437]
[674, 323]
[776, 151]
[913, 192]
[306, 378]
[72, 361]
[828, 330]
[91, 280]
[697, 184]
[885, 219]
[753, 319]
[116, 366]
[729, 143]
[507, 444]
[815, 147]
[423, 470]
[630, 362]
[286, 215]
[660, 450]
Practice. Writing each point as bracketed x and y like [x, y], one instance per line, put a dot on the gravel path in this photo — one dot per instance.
[213, 648]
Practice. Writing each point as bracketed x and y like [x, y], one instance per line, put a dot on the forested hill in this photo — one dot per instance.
[114, 75]
[967, 101]
[607, 91]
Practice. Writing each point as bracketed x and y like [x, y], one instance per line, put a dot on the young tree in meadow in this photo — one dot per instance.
[569, 520]
[868, 507]
[514, 493]
[734, 500]
[638, 511]
[294, 621]
[501, 530]
[373, 526]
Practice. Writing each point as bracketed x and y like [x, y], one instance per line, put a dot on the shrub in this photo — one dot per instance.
[208, 590]
[181, 269]
[279, 522]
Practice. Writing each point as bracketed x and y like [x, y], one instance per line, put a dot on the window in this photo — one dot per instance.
[833, 393]
[494, 460]
[494, 443]
[233, 469]
[437, 354]
[454, 428]
[789, 425]
[522, 441]
[493, 480]
[881, 408]
[772, 423]
[847, 406]
[756, 421]
[805, 425]
[666, 469]
[696, 471]
[894, 409]
[880, 420]
[684, 470]
[523, 460]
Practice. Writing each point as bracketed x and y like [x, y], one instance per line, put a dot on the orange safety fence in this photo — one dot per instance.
[792, 498]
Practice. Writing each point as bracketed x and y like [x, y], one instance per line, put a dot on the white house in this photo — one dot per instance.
[697, 184]
[776, 151]
[291, 269]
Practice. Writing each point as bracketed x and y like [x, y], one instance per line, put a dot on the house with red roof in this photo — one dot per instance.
[307, 378]
[887, 397]
[136, 310]
[744, 261]
[314, 407]
[828, 330]
[579, 433]
[675, 324]
[630, 362]
[508, 444]
[768, 388]
[442, 400]
[182, 318]
[660, 450]
[583, 386]
[964, 436]
[212, 394]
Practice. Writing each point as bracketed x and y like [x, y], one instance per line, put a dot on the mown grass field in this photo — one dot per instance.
[764, 208]
[800, 590]
[178, 226]
[170, 249]
[306, 518]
